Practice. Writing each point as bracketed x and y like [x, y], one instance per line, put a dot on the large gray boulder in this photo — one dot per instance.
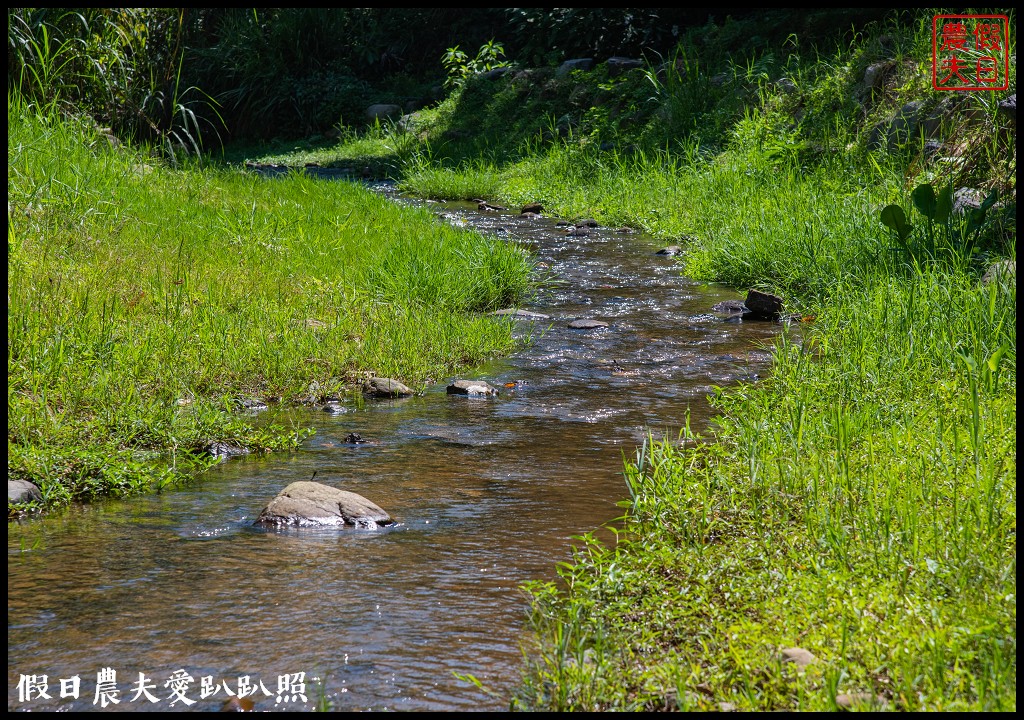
[1002, 271]
[618, 65]
[306, 504]
[22, 491]
[898, 129]
[575, 64]
[876, 73]
[383, 111]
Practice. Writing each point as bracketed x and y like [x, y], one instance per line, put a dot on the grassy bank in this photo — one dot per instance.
[144, 305]
[860, 504]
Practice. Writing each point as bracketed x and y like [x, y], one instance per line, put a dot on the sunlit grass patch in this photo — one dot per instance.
[144, 302]
[861, 505]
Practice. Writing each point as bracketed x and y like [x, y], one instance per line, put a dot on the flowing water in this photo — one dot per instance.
[488, 494]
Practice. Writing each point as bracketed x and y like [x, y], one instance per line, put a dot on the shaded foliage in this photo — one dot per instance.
[122, 66]
[174, 74]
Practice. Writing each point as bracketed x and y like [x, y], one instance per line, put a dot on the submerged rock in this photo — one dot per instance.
[251, 404]
[237, 704]
[587, 324]
[386, 387]
[225, 450]
[670, 250]
[521, 314]
[472, 387]
[305, 503]
[731, 309]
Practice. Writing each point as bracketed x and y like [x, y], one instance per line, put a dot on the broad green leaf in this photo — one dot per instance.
[996, 357]
[893, 217]
[944, 204]
[990, 200]
[975, 219]
[924, 200]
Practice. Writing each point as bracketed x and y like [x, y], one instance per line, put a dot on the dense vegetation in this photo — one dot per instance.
[861, 502]
[149, 307]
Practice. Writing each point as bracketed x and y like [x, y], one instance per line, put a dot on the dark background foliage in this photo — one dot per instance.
[176, 74]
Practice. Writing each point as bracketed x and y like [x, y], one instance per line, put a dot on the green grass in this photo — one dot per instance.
[144, 302]
[860, 504]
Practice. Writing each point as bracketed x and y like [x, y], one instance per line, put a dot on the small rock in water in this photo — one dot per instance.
[472, 387]
[354, 438]
[731, 308]
[307, 503]
[670, 250]
[223, 450]
[335, 408]
[587, 324]
[386, 387]
[763, 306]
[535, 208]
[252, 404]
[521, 314]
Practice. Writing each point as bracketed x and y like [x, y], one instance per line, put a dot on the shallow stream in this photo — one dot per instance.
[488, 494]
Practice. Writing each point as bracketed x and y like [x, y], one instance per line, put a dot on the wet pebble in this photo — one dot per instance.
[587, 324]
[471, 387]
[521, 314]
